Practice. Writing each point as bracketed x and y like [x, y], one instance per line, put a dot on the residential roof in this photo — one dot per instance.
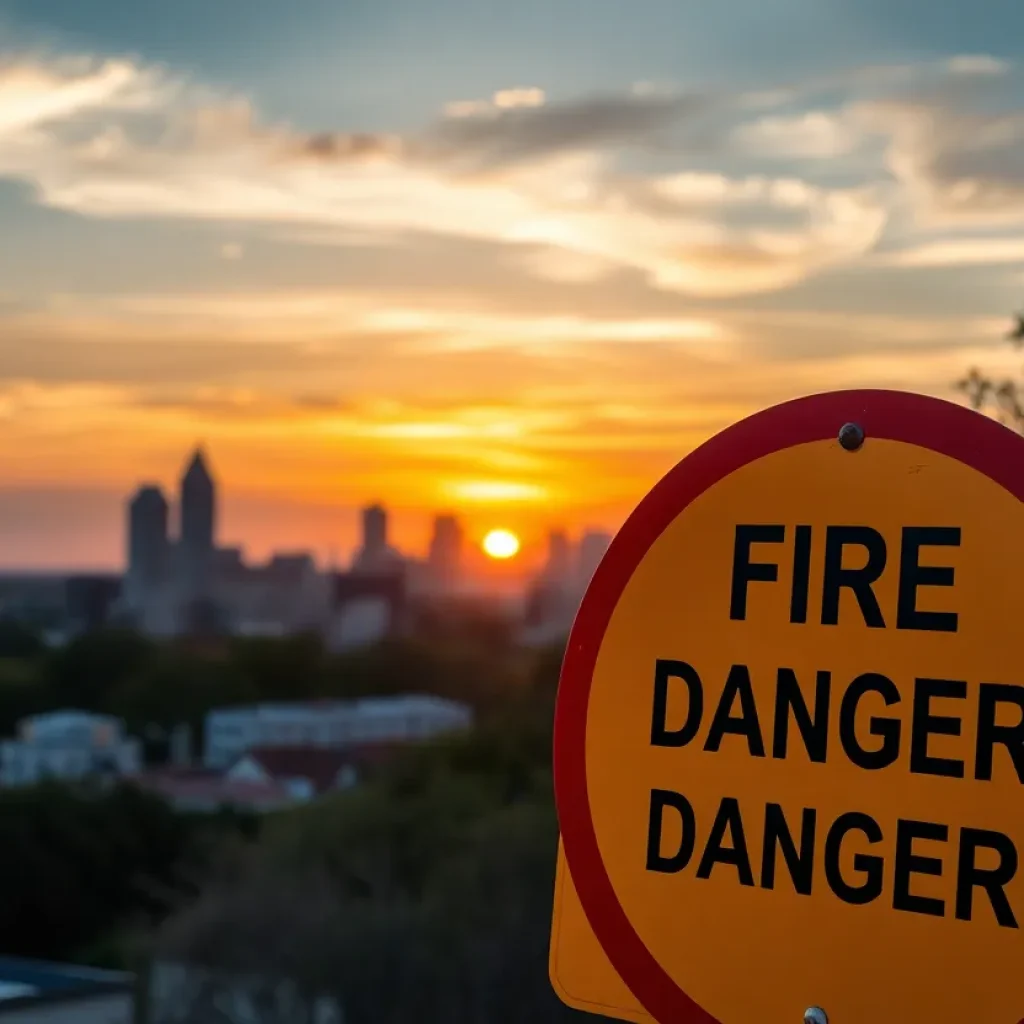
[320, 765]
[412, 703]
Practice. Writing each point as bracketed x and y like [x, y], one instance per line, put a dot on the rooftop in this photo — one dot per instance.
[320, 765]
[369, 705]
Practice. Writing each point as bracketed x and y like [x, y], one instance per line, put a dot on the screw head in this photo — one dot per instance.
[815, 1015]
[851, 436]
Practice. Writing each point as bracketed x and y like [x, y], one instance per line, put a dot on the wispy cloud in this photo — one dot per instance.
[957, 252]
[126, 140]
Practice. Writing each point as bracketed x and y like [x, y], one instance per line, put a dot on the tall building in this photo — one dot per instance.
[444, 561]
[148, 542]
[558, 568]
[375, 529]
[196, 544]
[375, 555]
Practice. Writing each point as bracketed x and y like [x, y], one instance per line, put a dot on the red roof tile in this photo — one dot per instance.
[320, 765]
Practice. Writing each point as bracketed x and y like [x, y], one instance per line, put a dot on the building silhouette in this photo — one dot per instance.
[558, 567]
[444, 560]
[375, 529]
[180, 582]
[148, 541]
[197, 541]
[375, 554]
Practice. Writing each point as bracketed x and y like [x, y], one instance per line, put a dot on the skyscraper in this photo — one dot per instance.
[444, 559]
[198, 526]
[148, 544]
[375, 530]
[558, 568]
[375, 555]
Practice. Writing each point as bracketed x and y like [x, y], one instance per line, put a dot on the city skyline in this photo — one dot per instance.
[575, 243]
[156, 519]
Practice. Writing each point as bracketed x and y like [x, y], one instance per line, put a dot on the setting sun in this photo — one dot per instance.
[501, 544]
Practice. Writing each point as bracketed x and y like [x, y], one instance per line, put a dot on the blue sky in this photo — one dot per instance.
[516, 259]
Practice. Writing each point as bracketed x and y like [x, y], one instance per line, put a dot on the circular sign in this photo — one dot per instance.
[789, 739]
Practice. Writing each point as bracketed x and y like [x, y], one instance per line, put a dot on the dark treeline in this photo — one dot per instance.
[85, 871]
[148, 683]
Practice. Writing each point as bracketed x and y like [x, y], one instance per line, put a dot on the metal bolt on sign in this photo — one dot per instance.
[851, 436]
[815, 1015]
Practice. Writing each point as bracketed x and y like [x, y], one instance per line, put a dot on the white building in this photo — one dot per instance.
[180, 993]
[68, 745]
[362, 622]
[230, 732]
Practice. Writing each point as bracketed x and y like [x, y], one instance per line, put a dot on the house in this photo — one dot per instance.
[69, 745]
[265, 779]
[37, 992]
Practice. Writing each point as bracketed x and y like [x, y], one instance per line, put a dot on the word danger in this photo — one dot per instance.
[867, 721]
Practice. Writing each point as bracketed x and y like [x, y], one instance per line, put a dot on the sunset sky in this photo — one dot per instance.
[511, 259]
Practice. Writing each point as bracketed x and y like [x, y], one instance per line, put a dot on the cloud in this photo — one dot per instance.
[255, 325]
[36, 93]
[814, 135]
[128, 140]
[509, 132]
[651, 181]
[958, 166]
[949, 134]
[957, 252]
[503, 99]
[977, 64]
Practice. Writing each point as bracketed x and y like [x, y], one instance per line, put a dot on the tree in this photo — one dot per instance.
[461, 939]
[82, 865]
[84, 673]
[1004, 396]
[423, 895]
[19, 640]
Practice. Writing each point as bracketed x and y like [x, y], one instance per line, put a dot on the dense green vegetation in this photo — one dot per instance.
[423, 895]
[83, 868]
[147, 683]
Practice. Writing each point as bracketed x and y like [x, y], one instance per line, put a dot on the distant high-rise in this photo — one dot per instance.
[445, 557]
[375, 530]
[198, 525]
[148, 543]
[558, 568]
[375, 555]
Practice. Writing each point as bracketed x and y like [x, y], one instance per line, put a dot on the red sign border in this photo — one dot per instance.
[931, 423]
